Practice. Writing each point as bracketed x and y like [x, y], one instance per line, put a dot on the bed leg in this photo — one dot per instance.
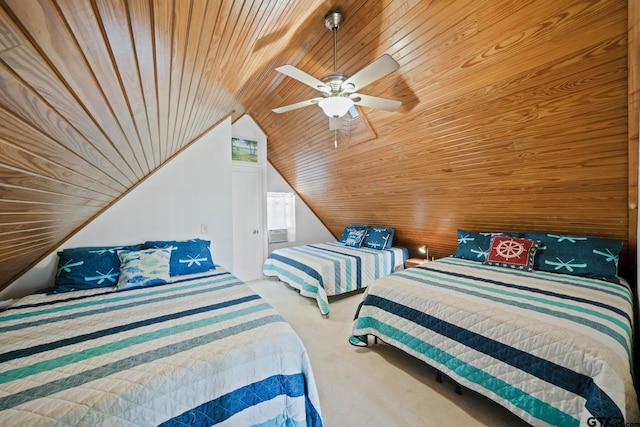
[375, 339]
[458, 389]
[439, 377]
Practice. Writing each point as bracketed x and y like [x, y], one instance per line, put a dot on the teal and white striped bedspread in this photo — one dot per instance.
[326, 269]
[553, 349]
[203, 351]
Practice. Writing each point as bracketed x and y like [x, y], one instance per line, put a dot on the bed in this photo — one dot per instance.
[331, 268]
[553, 348]
[203, 349]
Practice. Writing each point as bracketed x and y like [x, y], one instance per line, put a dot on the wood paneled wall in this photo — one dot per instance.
[514, 116]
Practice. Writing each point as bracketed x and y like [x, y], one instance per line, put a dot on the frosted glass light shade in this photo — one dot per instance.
[335, 106]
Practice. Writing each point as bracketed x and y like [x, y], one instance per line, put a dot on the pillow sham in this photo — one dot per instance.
[592, 257]
[347, 230]
[355, 238]
[143, 268]
[512, 252]
[378, 237]
[88, 267]
[474, 246]
[187, 256]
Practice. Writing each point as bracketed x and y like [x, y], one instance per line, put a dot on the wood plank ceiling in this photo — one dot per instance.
[514, 113]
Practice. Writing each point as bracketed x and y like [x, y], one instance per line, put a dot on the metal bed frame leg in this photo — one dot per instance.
[458, 386]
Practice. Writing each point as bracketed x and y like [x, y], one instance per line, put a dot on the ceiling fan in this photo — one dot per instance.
[338, 91]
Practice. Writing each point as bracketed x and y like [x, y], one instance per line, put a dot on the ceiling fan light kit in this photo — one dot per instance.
[335, 106]
[338, 90]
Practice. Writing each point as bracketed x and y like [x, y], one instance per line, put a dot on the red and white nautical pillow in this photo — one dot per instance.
[512, 252]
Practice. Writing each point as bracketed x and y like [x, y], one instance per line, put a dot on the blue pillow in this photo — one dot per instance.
[593, 257]
[378, 237]
[347, 230]
[88, 267]
[475, 246]
[355, 237]
[187, 257]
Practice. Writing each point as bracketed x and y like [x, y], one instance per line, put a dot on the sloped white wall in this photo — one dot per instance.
[172, 204]
[309, 229]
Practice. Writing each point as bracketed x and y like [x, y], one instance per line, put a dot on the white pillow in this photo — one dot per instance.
[143, 268]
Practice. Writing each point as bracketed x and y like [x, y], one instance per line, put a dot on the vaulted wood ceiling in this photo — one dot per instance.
[514, 113]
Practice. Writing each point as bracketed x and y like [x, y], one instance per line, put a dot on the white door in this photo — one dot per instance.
[248, 232]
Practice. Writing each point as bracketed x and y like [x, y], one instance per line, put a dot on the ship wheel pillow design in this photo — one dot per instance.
[474, 246]
[512, 252]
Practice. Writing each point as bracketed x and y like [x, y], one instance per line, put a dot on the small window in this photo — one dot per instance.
[281, 217]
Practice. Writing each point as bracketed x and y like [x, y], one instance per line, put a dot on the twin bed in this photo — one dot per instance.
[361, 255]
[199, 349]
[325, 269]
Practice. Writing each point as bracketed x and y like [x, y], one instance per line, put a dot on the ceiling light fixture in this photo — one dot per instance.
[339, 92]
[335, 106]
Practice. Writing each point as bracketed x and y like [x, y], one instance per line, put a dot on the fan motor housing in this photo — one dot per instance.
[333, 20]
[334, 81]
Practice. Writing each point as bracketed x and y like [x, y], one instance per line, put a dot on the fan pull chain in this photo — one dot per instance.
[335, 138]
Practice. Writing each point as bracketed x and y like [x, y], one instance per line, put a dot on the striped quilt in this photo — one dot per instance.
[202, 351]
[332, 268]
[553, 349]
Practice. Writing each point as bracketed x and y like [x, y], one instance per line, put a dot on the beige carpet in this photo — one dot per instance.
[379, 385]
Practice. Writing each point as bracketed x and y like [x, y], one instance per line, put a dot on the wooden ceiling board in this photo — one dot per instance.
[41, 146]
[41, 23]
[25, 161]
[515, 114]
[19, 99]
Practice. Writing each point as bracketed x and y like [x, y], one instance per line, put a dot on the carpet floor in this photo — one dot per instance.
[378, 385]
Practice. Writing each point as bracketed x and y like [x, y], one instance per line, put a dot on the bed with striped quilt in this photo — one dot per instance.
[199, 351]
[554, 349]
[331, 268]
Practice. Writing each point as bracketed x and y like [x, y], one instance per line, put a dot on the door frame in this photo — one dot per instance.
[262, 171]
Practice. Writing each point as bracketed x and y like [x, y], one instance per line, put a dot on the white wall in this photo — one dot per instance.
[248, 257]
[172, 204]
[309, 229]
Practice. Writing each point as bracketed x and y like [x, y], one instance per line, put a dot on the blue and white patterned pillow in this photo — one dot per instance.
[593, 257]
[347, 230]
[187, 257]
[88, 267]
[355, 237]
[475, 246]
[378, 237]
[146, 267]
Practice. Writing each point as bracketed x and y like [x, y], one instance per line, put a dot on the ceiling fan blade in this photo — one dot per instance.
[303, 77]
[375, 102]
[335, 123]
[297, 105]
[372, 72]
